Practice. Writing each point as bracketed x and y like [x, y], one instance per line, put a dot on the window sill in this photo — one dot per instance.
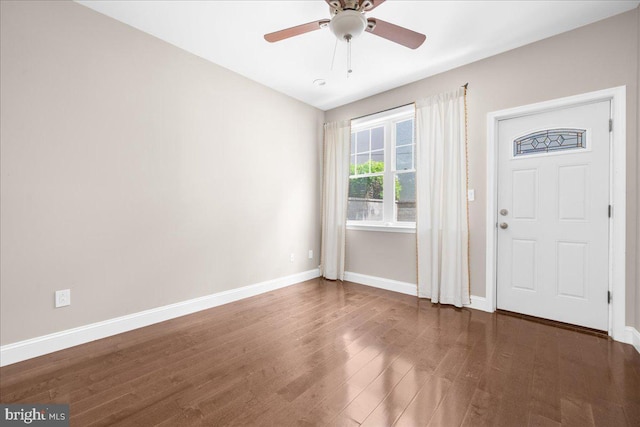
[390, 228]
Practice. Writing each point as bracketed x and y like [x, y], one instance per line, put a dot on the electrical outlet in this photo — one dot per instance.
[310, 254]
[63, 298]
[292, 257]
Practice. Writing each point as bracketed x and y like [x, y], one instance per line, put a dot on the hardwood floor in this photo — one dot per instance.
[326, 353]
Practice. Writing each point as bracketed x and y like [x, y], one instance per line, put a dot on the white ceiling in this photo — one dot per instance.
[230, 34]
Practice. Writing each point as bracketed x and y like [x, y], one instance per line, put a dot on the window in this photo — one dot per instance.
[382, 190]
[549, 140]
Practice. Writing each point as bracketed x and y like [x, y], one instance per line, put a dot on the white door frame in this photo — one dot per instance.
[617, 183]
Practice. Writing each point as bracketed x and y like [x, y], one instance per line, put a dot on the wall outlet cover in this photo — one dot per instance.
[63, 298]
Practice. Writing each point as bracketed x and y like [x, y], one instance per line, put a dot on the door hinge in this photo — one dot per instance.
[610, 125]
[610, 211]
[609, 297]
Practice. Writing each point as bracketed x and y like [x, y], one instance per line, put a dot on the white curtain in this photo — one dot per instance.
[337, 137]
[442, 229]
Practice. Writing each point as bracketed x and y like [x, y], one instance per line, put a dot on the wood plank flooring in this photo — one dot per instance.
[339, 354]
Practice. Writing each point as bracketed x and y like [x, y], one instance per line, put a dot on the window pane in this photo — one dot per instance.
[363, 163]
[377, 157]
[353, 143]
[550, 140]
[377, 138]
[363, 141]
[404, 157]
[404, 132]
[406, 197]
[365, 199]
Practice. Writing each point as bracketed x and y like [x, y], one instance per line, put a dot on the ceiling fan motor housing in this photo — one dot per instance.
[348, 24]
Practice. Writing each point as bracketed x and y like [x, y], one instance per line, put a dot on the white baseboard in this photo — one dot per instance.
[478, 303]
[34, 347]
[379, 282]
[633, 337]
[27, 349]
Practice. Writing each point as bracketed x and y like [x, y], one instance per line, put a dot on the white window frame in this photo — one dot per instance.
[388, 119]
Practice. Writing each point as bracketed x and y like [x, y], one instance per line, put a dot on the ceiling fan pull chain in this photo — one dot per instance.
[349, 70]
[333, 58]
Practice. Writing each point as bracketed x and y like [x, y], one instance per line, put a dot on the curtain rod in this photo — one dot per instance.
[382, 111]
[466, 85]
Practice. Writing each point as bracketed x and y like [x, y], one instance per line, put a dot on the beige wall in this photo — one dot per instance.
[382, 254]
[598, 56]
[637, 307]
[139, 175]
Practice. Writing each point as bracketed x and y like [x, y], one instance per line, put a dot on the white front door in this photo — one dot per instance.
[553, 215]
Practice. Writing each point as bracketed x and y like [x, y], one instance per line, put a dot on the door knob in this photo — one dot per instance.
[504, 225]
[504, 212]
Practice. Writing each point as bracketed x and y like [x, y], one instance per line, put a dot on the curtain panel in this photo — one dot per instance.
[442, 230]
[337, 137]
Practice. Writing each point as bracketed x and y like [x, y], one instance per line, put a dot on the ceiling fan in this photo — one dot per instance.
[348, 21]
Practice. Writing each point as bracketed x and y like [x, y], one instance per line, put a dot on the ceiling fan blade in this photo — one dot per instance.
[295, 31]
[395, 33]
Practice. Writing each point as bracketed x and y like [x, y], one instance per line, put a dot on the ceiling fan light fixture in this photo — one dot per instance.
[348, 25]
